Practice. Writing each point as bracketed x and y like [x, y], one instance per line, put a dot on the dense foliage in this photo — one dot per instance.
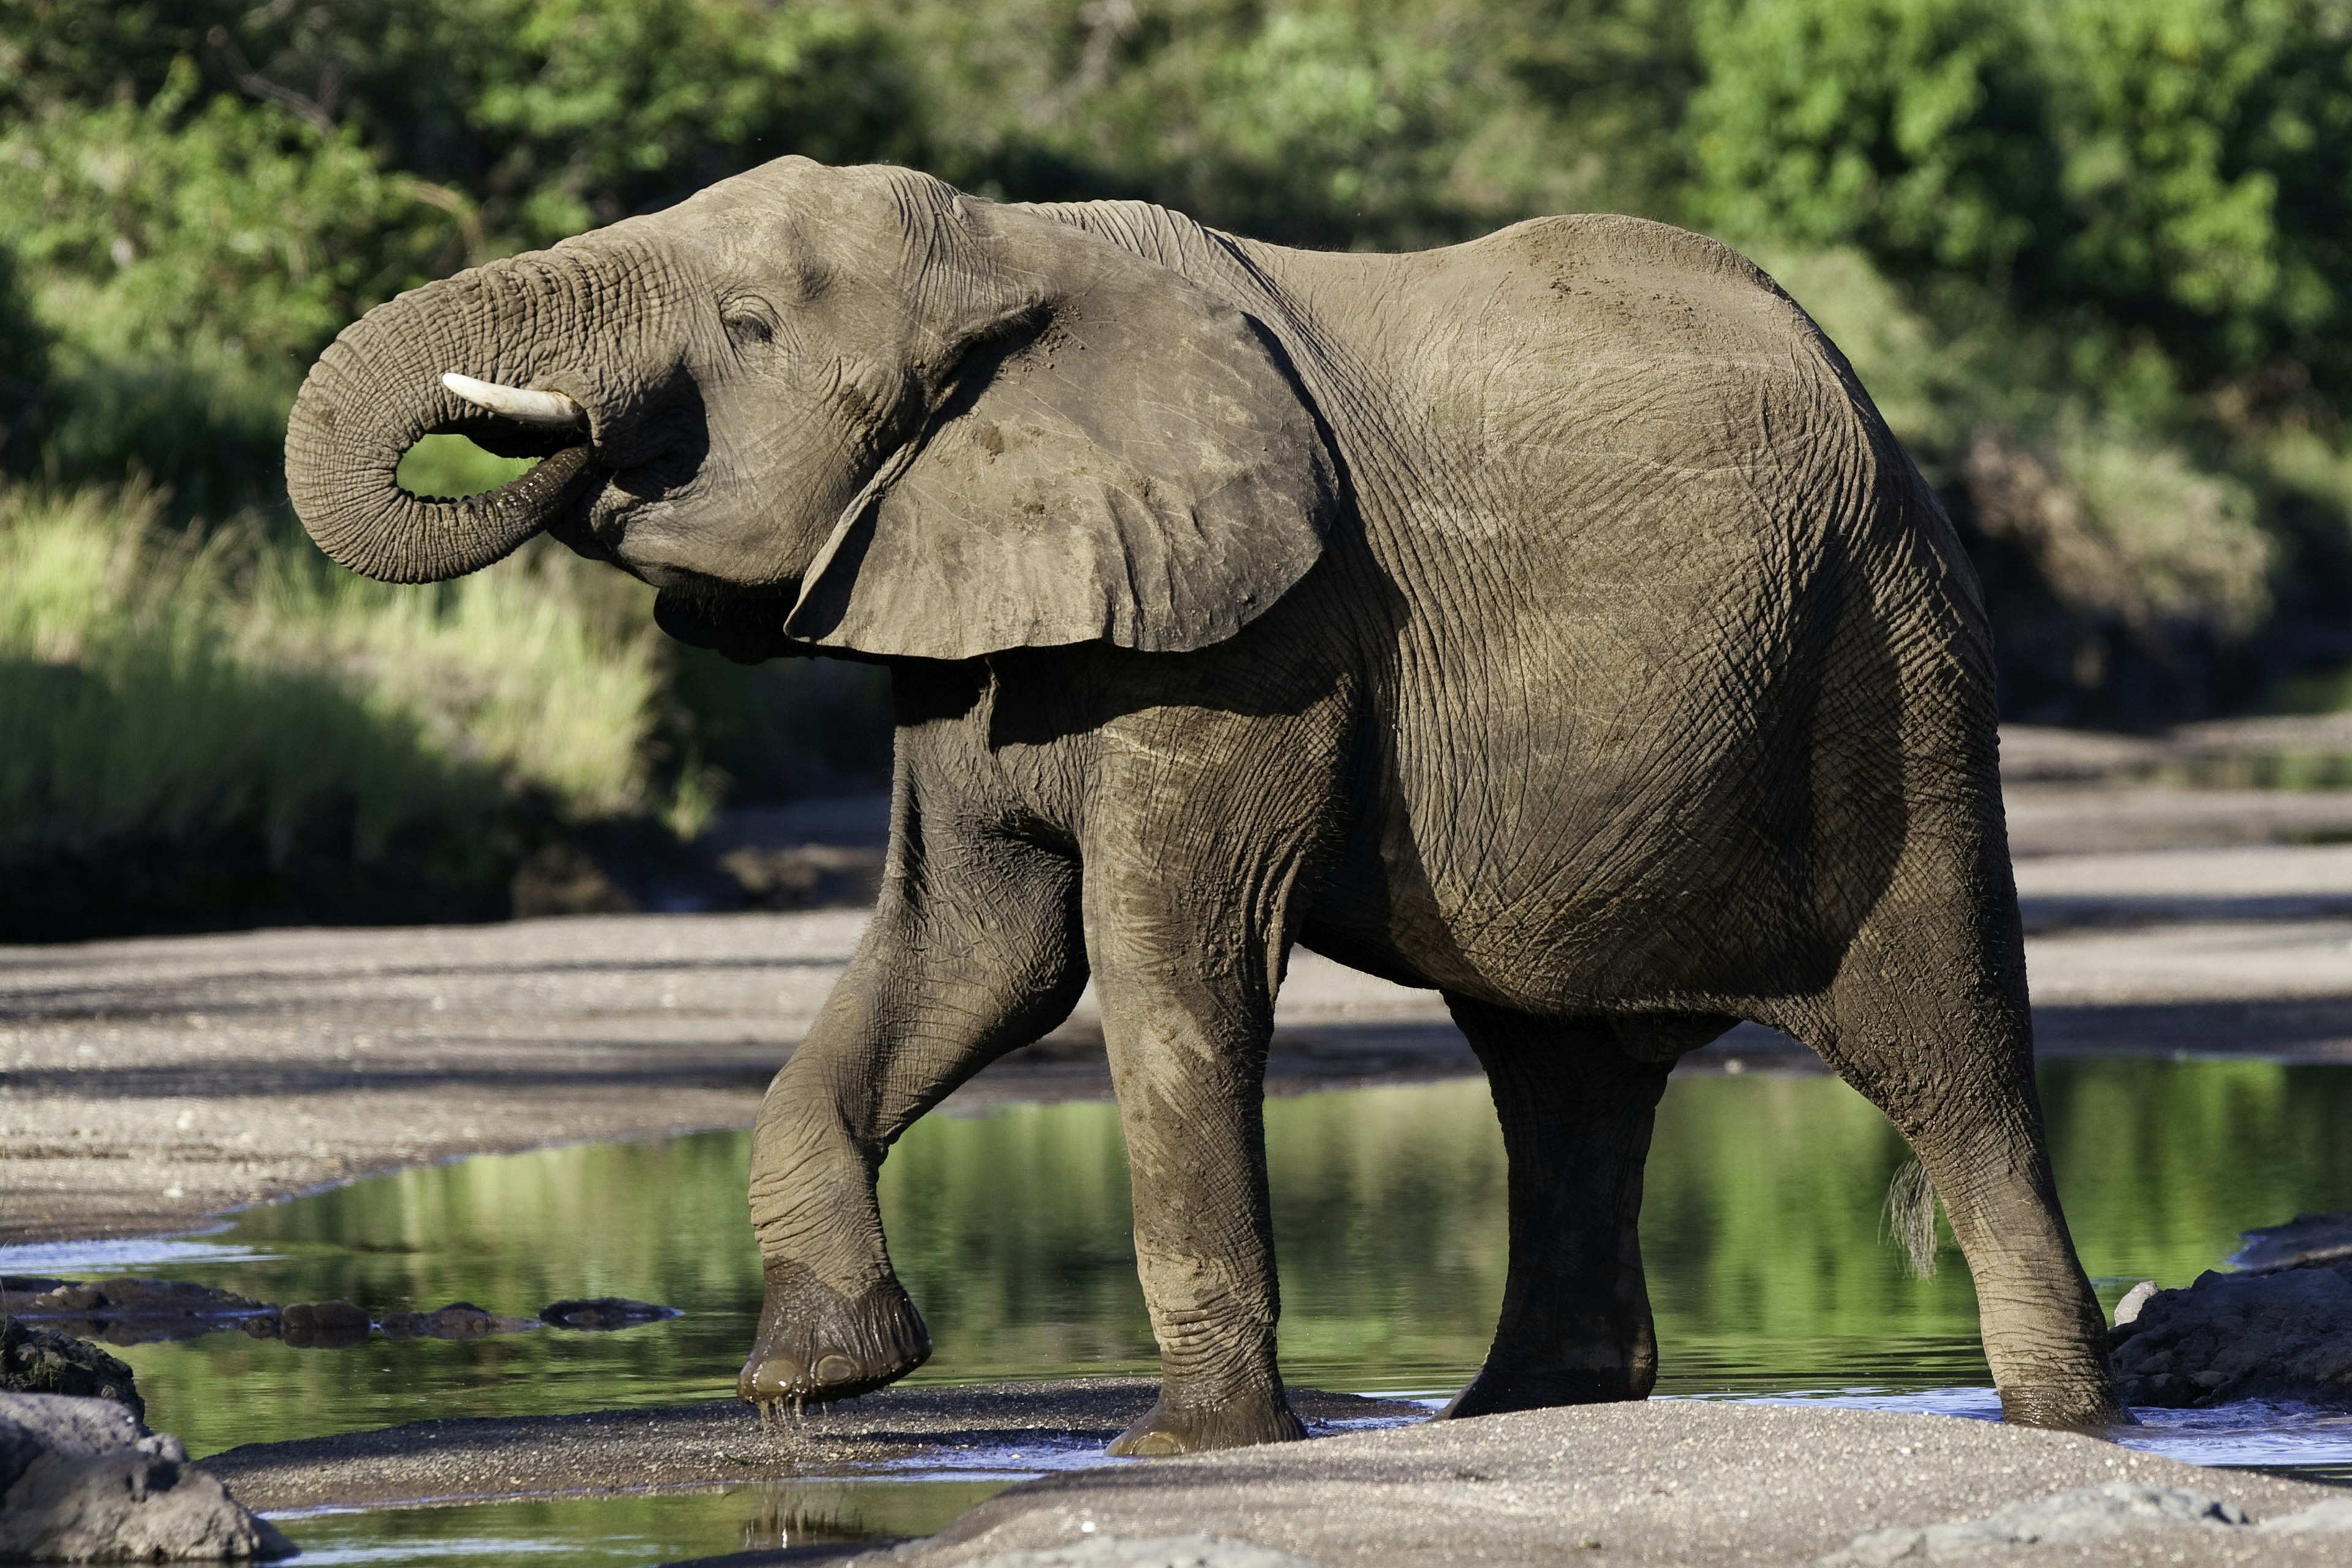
[2092, 256]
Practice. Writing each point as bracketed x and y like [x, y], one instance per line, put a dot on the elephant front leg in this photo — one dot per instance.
[1575, 1111]
[1188, 1062]
[1186, 973]
[944, 982]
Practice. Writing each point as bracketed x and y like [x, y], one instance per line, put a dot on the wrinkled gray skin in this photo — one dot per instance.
[1549, 620]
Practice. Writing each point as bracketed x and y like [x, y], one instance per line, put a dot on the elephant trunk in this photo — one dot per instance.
[379, 387]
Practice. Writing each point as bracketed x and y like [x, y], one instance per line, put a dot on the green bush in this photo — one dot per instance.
[1336, 124]
[1913, 129]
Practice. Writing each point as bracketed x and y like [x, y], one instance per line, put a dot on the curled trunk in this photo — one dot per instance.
[377, 391]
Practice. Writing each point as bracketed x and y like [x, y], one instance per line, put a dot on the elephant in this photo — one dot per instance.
[1549, 620]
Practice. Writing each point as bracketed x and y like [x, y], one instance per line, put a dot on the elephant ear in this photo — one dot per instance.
[1133, 464]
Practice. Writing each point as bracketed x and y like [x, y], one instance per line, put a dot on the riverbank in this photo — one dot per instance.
[1679, 1482]
[147, 1085]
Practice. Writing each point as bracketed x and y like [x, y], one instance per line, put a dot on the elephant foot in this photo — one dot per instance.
[2065, 1407]
[1166, 1429]
[1497, 1390]
[815, 1344]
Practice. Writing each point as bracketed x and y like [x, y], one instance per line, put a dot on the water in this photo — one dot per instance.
[626, 1531]
[1762, 1227]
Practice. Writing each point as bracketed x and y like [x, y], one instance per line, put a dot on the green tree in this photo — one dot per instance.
[1322, 123]
[189, 255]
[2177, 168]
[1915, 129]
[2208, 171]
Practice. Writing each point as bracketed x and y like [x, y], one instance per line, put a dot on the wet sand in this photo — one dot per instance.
[1669, 1482]
[979, 1430]
[147, 1085]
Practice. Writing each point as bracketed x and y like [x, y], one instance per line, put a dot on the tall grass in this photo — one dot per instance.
[157, 685]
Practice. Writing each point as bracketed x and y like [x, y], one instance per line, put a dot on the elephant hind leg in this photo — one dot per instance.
[1927, 1019]
[1577, 1104]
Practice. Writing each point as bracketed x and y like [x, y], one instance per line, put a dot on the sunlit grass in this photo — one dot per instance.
[159, 683]
[454, 465]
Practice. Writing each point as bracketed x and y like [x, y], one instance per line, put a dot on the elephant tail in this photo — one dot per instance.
[1911, 1217]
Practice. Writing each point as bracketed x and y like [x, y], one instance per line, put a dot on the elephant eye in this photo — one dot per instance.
[750, 324]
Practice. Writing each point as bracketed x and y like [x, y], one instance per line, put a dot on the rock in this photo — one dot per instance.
[323, 1325]
[44, 1361]
[2306, 1239]
[2108, 1509]
[1146, 1552]
[2285, 1335]
[82, 1480]
[127, 1311]
[2321, 1519]
[458, 1320]
[604, 1313]
[2127, 1309]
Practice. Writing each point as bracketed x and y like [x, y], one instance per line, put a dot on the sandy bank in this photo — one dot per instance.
[1677, 1482]
[1688, 1484]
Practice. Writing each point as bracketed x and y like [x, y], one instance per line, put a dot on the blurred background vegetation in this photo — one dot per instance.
[2093, 257]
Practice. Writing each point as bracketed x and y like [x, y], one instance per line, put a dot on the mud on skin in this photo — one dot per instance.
[1550, 621]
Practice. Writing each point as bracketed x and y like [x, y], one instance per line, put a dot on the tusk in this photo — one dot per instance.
[517, 404]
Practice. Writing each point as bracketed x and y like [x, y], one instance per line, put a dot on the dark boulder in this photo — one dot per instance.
[127, 1311]
[2301, 1242]
[45, 1360]
[604, 1313]
[458, 1320]
[2279, 1335]
[82, 1480]
[324, 1325]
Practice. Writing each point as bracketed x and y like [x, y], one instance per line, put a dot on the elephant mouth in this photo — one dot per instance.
[554, 492]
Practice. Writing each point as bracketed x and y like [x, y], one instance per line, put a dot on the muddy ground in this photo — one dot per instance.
[145, 1085]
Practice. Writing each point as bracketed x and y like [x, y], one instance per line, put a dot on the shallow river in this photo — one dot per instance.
[1762, 1227]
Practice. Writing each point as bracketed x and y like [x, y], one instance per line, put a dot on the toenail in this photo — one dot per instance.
[775, 1377]
[835, 1368]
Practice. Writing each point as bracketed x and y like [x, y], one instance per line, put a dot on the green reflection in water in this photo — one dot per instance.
[1762, 1225]
[621, 1532]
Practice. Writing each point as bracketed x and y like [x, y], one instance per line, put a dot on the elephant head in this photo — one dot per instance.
[851, 408]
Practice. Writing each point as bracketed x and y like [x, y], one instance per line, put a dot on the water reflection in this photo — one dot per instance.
[624, 1531]
[1762, 1225]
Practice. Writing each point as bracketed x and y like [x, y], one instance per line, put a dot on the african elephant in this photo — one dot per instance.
[1549, 620]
